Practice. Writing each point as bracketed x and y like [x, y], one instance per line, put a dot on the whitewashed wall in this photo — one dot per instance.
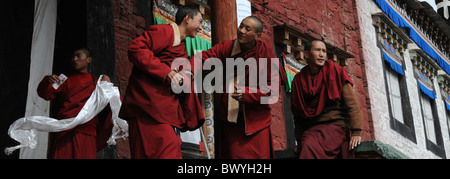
[378, 97]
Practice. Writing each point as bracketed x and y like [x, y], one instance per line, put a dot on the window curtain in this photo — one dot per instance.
[292, 67]
[446, 97]
[392, 56]
[41, 64]
[395, 64]
[397, 17]
[425, 84]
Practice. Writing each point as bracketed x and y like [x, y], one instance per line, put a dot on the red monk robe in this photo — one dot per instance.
[150, 107]
[325, 108]
[79, 142]
[250, 137]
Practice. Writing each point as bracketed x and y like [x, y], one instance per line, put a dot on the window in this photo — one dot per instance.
[425, 74]
[444, 84]
[392, 49]
[394, 93]
[448, 121]
[401, 119]
[434, 140]
[289, 49]
[428, 117]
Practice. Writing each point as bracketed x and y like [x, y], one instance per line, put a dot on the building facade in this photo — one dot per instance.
[405, 48]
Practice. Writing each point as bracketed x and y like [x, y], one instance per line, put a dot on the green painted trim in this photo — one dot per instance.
[384, 150]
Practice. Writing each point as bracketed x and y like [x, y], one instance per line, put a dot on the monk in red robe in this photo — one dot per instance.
[327, 112]
[156, 114]
[72, 94]
[245, 130]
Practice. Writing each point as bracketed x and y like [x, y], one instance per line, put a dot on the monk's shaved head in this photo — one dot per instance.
[260, 24]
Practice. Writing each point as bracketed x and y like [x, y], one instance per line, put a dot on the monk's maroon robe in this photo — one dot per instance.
[310, 97]
[250, 137]
[79, 142]
[149, 103]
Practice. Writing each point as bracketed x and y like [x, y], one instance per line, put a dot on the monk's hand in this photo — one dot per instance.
[189, 73]
[175, 77]
[354, 142]
[106, 78]
[238, 96]
[53, 79]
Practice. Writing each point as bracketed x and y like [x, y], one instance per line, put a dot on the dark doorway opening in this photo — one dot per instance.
[85, 24]
[16, 34]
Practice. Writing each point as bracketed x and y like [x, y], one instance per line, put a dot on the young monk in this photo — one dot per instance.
[325, 107]
[246, 120]
[155, 114]
[72, 94]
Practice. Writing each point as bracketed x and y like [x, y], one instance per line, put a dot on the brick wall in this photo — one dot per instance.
[128, 26]
[335, 21]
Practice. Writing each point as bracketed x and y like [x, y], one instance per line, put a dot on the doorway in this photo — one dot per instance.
[16, 34]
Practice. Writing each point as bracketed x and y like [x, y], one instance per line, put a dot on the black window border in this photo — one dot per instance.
[438, 148]
[407, 128]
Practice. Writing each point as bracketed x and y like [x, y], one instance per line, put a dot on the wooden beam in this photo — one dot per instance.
[224, 20]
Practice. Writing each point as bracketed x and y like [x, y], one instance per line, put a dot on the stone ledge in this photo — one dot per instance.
[377, 150]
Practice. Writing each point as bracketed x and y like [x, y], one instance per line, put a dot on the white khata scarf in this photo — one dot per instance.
[24, 129]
